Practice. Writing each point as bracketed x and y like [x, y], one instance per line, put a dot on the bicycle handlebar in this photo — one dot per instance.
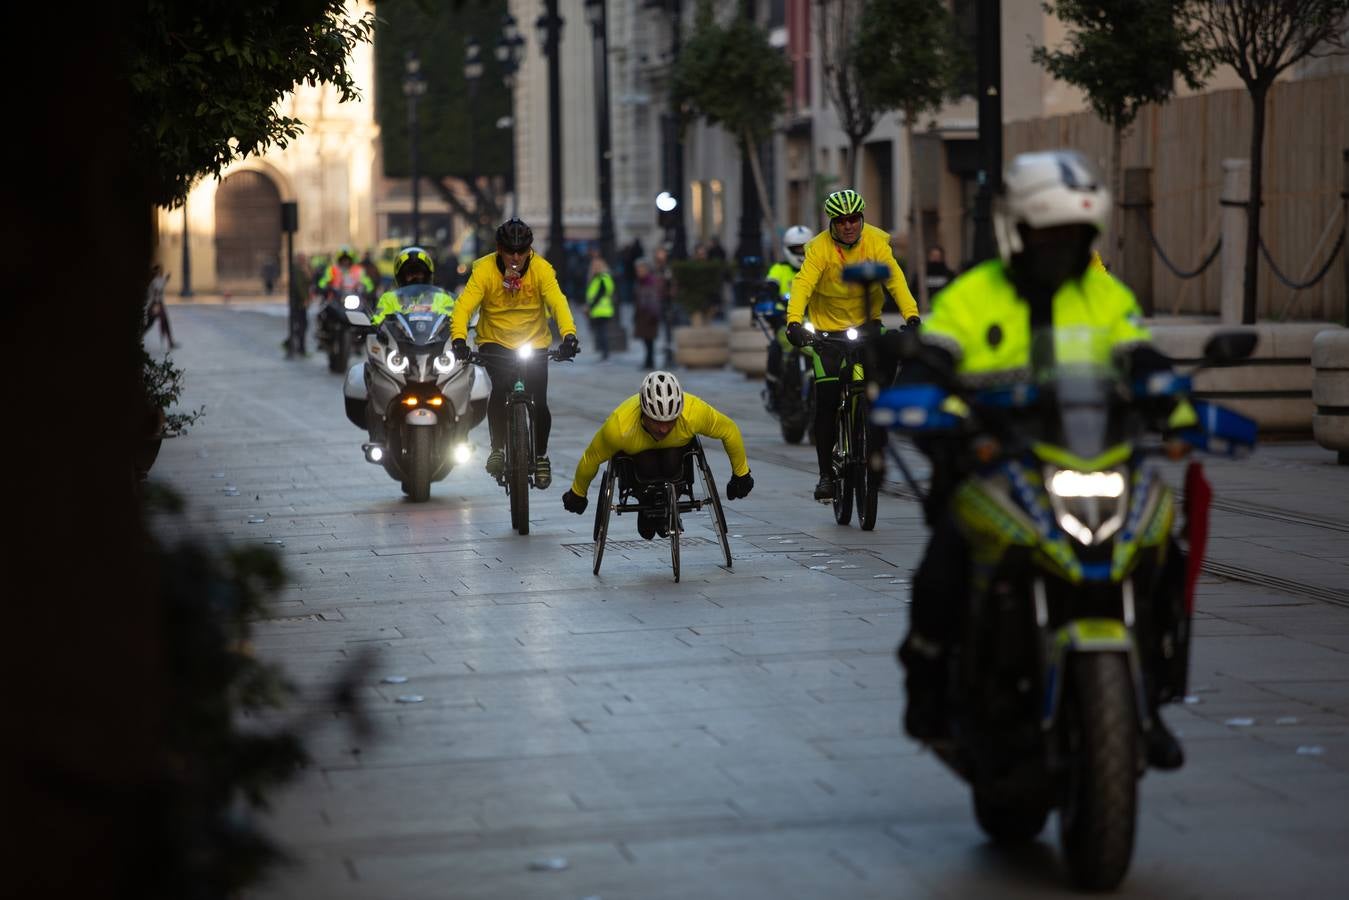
[477, 359]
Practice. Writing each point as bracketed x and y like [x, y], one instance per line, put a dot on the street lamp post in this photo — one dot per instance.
[187, 256]
[473, 76]
[550, 34]
[988, 37]
[510, 47]
[414, 86]
[598, 16]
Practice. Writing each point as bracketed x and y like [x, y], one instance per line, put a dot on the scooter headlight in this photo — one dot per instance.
[1090, 506]
[444, 363]
[397, 362]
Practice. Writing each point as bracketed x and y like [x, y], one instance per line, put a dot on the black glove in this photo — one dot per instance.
[569, 347]
[872, 329]
[739, 486]
[574, 502]
[912, 322]
[797, 335]
[459, 347]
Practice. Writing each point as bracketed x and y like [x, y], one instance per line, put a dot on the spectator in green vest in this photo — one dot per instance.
[600, 303]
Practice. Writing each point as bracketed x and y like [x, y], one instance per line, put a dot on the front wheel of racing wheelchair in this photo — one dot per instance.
[659, 482]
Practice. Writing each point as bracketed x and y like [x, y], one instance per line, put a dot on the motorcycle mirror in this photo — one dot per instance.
[1229, 346]
[358, 318]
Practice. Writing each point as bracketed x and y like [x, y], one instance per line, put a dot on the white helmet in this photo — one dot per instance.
[1041, 190]
[794, 245]
[662, 397]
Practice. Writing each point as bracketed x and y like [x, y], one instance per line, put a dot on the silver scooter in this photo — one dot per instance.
[416, 400]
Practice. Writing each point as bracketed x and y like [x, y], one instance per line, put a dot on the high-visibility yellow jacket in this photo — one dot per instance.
[981, 320]
[834, 303]
[622, 432]
[600, 296]
[784, 275]
[512, 318]
[389, 303]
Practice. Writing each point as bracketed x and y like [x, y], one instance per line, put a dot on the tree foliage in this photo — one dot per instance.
[457, 129]
[206, 79]
[731, 76]
[1124, 54]
[910, 55]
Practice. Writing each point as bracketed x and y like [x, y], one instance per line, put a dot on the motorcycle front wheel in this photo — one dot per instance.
[420, 453]
[1100, 800]
[340, 353]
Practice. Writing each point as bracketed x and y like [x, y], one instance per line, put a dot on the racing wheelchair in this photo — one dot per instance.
[659, 483]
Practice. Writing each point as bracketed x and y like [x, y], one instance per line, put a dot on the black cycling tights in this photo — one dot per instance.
[501, 365]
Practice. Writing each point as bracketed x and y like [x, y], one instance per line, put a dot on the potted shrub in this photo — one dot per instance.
[163, 382]
[697, 289]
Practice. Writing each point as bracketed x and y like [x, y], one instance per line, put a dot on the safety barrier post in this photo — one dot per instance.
[1137, 206]
[1235, 200]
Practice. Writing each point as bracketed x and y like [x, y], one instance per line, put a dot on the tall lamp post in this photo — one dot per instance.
[414, 86]
[598, 17]
[473, 76]
[510, 48]
[988, 46]
[550, 37]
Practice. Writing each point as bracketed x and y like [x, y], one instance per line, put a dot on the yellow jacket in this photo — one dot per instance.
[512, 318]
[622, 432]
[834, 303]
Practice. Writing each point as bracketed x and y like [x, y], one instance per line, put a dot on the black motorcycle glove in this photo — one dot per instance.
[574, 502]
[569, 347]
[797, 335]
[872, 329]
[912, 322]
[739, 486]
[459, 347]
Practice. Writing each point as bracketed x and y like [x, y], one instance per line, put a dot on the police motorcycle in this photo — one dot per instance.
[790, 397]
[1081, 597]
[335, 338]
[417, 401]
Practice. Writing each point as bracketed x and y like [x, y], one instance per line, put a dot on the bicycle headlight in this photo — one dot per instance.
[444, 363]
[1090, 506]
[810, 326]
[397, 362]
[852, 334]
[525, 352]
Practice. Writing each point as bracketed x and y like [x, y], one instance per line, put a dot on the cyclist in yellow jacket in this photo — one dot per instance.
[660, 416]
[836, 306]
[516, 291]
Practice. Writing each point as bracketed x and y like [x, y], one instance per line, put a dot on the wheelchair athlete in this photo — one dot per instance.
[659, 417]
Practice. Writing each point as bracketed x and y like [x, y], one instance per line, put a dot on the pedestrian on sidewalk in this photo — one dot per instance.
[646, 316]
[154, 305]
[600, 304]
[297, 297]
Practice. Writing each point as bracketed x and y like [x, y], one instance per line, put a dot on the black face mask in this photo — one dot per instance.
[1043, 266]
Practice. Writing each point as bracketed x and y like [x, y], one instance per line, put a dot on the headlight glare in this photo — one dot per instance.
[1067, 483]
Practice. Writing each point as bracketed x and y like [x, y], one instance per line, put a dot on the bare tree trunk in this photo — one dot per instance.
[855, 162]
[764, 200]
[1248, 293]
[917, 252]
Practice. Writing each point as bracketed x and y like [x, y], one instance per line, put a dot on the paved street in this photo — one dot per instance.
[735, 735]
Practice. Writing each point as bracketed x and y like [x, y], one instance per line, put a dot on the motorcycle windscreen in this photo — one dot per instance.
[1074, 370]
[419, 328]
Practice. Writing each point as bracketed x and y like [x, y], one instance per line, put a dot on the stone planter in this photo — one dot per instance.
[1330, 391]
[702, 346]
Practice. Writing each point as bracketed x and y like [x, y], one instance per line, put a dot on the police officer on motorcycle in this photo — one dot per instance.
[412, 266]
[793, 254]
[1053, 207]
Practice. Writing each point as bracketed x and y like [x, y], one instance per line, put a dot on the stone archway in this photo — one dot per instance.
[247, 230]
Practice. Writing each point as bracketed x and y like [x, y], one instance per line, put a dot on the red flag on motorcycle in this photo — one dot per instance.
[1198, 496]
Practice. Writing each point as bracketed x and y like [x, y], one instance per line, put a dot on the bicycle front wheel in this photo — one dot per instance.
[844, 471]
[869, 471]
[519, 458]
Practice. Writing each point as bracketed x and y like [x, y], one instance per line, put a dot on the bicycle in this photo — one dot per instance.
[857, 474]
[654, 480]
[518, 475]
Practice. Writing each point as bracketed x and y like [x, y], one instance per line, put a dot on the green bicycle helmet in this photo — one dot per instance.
[410, 259]
[843, 203]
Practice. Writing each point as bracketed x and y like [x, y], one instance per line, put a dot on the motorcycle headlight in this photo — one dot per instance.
[397, 362]
[444, 363]
[352, 302]
[1090, 506]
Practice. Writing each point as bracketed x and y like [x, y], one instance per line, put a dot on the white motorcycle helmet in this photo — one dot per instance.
[794, 245]
[662, 397]
[1042, 190]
